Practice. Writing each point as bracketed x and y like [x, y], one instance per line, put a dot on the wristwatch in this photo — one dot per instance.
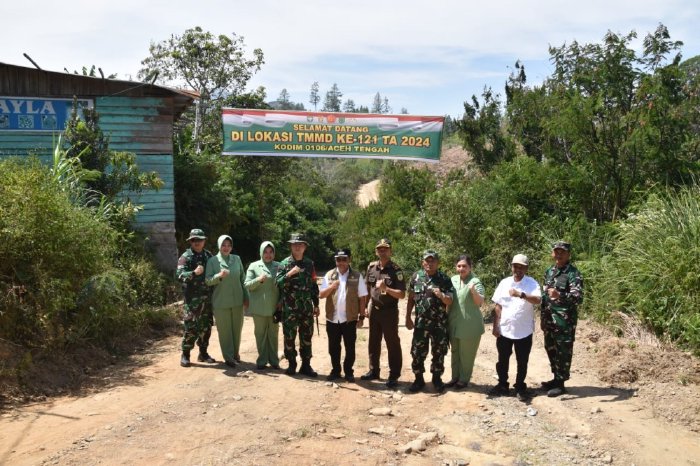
[522, 295]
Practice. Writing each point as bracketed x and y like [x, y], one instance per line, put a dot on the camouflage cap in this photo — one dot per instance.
[562, 245]
[430, 253]
[383, 243]
[342, 253]
[196, 233]
[297, 238]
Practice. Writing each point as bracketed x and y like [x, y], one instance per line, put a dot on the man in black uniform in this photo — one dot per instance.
[386, 285]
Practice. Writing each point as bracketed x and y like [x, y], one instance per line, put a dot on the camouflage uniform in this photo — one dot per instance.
[198, 315]
[299, 295]
[431, 321]
[559, 317]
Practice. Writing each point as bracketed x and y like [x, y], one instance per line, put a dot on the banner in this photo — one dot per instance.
[338, 135]
[37, 113]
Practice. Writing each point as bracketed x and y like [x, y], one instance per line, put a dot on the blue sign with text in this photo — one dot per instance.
[37, 114]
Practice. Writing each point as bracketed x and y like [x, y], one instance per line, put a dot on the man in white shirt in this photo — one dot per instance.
[513, 325]
[345, 292]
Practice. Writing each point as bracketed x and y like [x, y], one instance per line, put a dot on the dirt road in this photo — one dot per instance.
[160, 413]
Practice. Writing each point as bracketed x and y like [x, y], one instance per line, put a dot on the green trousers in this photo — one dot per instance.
[266, 339]
[229, 324]
[463, 356]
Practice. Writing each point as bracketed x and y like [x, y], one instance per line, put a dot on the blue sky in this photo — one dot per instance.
[428, 57]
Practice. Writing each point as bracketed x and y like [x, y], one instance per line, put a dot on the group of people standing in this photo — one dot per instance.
[447, 312]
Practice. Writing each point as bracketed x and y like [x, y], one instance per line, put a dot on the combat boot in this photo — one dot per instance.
[306, 369]
[204, 357]
[557, 390]
[438, 384]
[185, 359]
[292, 369]
[417, 384]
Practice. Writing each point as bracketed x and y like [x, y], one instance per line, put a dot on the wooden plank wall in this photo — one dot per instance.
[143, 125]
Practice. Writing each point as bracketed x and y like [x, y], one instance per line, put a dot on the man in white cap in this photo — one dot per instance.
[513, 325]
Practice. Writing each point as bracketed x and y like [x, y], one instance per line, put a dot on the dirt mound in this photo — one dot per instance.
[626, 361]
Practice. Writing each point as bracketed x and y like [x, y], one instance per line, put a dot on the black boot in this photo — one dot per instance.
[438, 383]
[306, 369]
[292, 369]
[417, 384]
[185, 359]
[557, 389]
[204, 357]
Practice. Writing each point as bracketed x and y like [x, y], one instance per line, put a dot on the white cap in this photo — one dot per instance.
[520, 259]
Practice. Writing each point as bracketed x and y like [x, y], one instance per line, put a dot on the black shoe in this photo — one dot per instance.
[307, 370]
[392, 384]
[438, 384]
[371, 375]
[261, 367]
[185, 359]
[237, 358]
[522, 394]
[556, 390]
[230, 363]
[276, 367]
[204, 357]
[451, 383]
[417, 384]
[549, 384]
[499, 390]
[292, 369]
[350, 378]
[333, 376]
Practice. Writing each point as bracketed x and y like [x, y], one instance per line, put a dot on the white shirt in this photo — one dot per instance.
[340, 316]
[517, 315]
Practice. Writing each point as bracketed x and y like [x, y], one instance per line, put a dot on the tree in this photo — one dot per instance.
[385, 106]
[480, 130]
[377, 103]
[526, 111]
[314, 97]
[332, 101]
[214, 66]
[349, 106]
[283, 99]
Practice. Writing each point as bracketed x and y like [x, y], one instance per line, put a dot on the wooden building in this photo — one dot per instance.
[137, 117]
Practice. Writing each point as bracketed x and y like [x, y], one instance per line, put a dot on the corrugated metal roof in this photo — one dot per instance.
[32, 82]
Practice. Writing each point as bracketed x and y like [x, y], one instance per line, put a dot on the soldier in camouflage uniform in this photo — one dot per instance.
[198, 316]
[431, 292]
[296, 280]
[562, 293]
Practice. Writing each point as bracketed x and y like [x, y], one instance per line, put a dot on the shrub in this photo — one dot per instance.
[653, 271]
[49, 247]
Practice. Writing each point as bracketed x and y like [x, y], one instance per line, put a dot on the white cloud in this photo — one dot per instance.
[430, 53]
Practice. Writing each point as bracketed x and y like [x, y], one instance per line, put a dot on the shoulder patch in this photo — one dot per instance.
[399, 275]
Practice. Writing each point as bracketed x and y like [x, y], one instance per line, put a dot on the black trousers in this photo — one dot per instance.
[385, 323]
[522, 355]
[347, 332]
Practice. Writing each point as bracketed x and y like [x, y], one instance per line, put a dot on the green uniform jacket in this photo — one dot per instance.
[228, 292]
[263, 296]
[295, 291]
[464, 319]
[430, 311]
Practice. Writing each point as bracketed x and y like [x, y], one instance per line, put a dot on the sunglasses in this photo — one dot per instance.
[341, 259]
